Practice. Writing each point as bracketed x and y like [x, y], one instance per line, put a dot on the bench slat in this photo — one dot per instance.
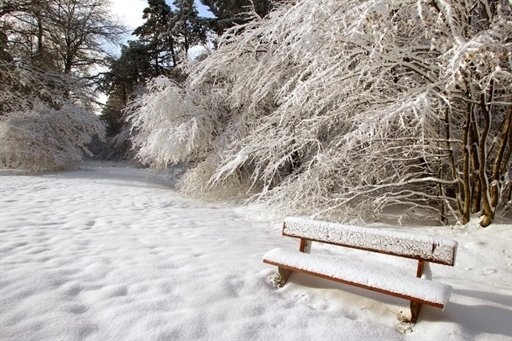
[401, 244]
[360, 274]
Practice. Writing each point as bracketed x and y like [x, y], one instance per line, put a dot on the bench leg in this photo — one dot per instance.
[415, 311]
[284, 273]
[305, 245]
[415, 306]
[281, 277]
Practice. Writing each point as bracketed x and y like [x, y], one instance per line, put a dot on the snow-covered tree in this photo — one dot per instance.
[48, 50]
[342, 107]
[46, 122]
[70, 35]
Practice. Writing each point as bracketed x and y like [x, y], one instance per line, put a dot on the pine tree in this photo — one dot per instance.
[155, 35]
[164, 41]
[232, 12]
[127, 73]
[187, 27]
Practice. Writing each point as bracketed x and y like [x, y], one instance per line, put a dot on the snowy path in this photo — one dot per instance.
[107, 254]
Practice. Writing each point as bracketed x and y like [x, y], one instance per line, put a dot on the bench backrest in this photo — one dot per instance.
[441, 251]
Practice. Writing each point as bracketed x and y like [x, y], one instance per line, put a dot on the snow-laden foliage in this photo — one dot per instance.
[45, 123]
[169, 128]
[45, 139]
[335, 106]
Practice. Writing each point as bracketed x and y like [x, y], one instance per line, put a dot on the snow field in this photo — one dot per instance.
[108, 253]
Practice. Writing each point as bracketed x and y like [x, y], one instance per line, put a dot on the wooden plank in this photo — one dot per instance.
[340, 280]
[375, 240]
[312, 273]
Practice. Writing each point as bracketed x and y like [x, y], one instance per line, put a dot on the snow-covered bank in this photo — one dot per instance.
[110, 253]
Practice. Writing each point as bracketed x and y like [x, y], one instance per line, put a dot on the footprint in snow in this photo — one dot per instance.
[489, 271]
[76, 309]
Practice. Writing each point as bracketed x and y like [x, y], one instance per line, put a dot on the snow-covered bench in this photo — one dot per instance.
[417, 290]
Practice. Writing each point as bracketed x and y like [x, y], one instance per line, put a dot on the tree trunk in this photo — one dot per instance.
[476, 188]
[173, 53]
[504, 141]
[466, 208]
[487, 209]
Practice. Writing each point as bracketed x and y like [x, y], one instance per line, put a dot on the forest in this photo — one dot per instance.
[333, 108]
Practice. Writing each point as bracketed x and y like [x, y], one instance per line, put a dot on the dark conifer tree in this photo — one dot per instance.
[130, 71]
[231, 12]
[155, 35]
[188, 28]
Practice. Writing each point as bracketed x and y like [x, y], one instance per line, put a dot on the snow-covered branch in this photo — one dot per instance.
[329, 106]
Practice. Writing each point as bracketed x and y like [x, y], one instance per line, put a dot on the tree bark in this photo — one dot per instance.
[466, 208]
[503, 141]
[487, 209]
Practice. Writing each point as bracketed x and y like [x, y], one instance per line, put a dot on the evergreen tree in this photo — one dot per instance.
[232, 12]
[164, 41]
[112, 112]
[187, 27]
[155, 35]
[131, 68]
[130, 71]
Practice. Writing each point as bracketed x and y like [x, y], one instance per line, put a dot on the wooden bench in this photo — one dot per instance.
[416, 289]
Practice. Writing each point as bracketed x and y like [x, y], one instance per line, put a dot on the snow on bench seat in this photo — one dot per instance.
[347, 271]
[391, 242]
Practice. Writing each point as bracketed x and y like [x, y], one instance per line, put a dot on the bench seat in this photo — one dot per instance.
[357, 273]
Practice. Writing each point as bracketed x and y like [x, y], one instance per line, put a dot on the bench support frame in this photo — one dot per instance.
[284, 273]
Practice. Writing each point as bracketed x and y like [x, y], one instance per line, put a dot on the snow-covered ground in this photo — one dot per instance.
[112, 253]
